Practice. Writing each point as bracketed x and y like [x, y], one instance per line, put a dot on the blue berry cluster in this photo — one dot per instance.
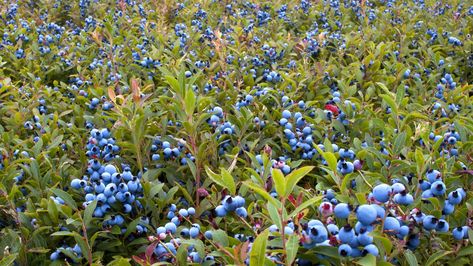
[101, 145]
[169, 236]
[113, 191]
[168, 152]
[231, 204]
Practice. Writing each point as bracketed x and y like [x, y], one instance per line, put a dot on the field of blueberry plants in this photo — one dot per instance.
[234, 132]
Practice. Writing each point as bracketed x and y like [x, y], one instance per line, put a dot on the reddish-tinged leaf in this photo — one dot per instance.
[135, 88]
[300, 198]
[111, 94]
[469, 172]
[332, 108]
[292, 200]
[139, 260]
[150, 251]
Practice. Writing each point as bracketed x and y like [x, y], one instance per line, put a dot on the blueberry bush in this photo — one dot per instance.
[228, 132]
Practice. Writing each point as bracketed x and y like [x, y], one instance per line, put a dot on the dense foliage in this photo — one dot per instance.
[236, 132]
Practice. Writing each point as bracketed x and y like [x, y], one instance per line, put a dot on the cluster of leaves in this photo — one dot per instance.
[139, 58]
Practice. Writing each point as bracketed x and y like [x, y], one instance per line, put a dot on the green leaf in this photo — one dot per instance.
[411, 258]
[419, 160]
[120, 262]
[66, 197]
[131, 227]
[329, 157]
[181, 255]
[62, 233]
[328, 251]
[465, 251]
[387, 244]
[312, 201]
[295, 176]
[390, 102]
[399, 142]
[368, 260]
[192, 167]
[190, 101]
[436, 256]
[173, 83]
[292, 246]
[81, 242]
[156, 189]
[185, 192]
[228, 180]
[35, 170]
[221, 237]
[258, 250]
[361, 197]
[52, 211]
[88, 212]
[274, 215]
[197, 244]
[262, 193]
[224, 180]
[279, 182]
[8, 260]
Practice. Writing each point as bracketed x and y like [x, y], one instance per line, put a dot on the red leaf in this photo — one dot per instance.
[300, 198]
[470, 172]
[135, 89]
[292, 200]
[332, 108]
[150, 251]
[139, 260]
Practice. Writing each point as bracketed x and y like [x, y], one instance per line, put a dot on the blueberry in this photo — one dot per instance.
[382, 192]
[110, 169]
[398, 188]
[127, 208]
[314, 223]
[347, 234]
[391, 225]
[454, 197]
[288, 230]
[342, 210]
[318, 233]
[364, 238]
[424, 185]
[438, 188]
[457, 233]
[239, 201]
[366, 214]
[344, 250]
[442, 226]
[332, 229]
[430, 222]
[403, 198]
[194, 232]
[371, 249]
[191, 211]
[76, 183]
[413, 241]
[403, 231]
[241, 211]
[55, 255]
[170, 228]
[433, 175]
[183, 212]
[220, 211]
[175, 220]
[208, 234]
[195, 257]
